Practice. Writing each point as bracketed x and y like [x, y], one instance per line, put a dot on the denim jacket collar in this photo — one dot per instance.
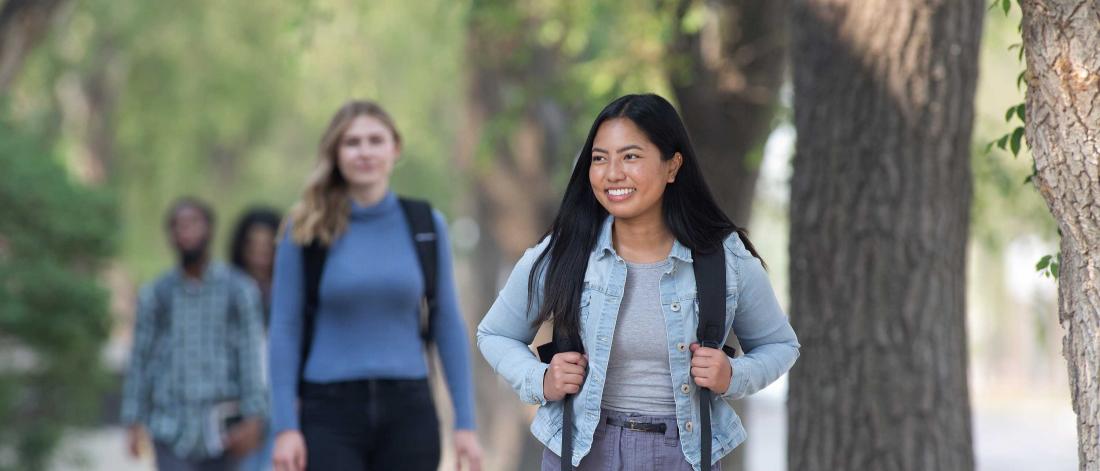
[604, 246]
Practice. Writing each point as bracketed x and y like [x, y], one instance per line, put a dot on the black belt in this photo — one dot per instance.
[637, 426]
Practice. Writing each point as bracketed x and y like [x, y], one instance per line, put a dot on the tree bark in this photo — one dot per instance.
[880, 200]
[1061, 39]
[513, 143]
[87, 100]
[726, 77]
[23, 23]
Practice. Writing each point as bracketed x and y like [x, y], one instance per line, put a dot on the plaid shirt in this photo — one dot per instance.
[197, 344]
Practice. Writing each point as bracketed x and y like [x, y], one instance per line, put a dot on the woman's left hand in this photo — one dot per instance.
[711, 368]
[468, 450]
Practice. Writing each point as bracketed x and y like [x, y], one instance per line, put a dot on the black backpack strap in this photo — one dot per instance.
[558, 344]
[313, 265]
[418, 213]
[710, 285]
[567, 433]
[546, 352]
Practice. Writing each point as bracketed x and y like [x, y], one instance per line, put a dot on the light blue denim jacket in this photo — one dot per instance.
[751, 311]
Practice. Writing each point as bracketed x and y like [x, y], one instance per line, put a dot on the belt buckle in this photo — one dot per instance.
[635, 426]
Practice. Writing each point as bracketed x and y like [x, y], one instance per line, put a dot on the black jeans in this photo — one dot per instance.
[370, 425]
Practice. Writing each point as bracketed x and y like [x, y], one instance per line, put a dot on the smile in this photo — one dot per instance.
[618, 194]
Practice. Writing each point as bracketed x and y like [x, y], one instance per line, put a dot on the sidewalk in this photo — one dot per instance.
[1009, 434]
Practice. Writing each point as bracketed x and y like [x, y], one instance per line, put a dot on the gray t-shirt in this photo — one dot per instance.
[638, 375]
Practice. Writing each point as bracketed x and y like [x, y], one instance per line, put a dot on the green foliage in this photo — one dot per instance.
[226, 100]
[1003, 210]
[596, 50]
[54, 237]
[1014, 140]
[1005, 5]
[1048, 265]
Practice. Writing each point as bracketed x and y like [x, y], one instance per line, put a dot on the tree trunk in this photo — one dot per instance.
[87, 100]
[880, 200]
[513, 144]
[726, 78]
[23, 23]
[1061, 40]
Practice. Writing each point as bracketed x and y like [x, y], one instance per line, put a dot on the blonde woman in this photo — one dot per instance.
[348, 337]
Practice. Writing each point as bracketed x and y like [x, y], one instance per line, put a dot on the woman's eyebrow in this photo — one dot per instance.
[621, 149]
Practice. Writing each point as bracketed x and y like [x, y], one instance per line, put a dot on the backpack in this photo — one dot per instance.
[710, 284]
[422, 230]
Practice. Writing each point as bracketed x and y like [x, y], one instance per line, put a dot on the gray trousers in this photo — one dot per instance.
[618, 449]
[168, 461]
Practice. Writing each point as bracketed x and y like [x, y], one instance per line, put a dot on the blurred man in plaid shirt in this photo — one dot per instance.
[195, 384]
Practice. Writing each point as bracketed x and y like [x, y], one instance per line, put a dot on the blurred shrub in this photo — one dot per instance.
[55, 235]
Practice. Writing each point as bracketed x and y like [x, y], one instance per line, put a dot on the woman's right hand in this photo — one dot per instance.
[290, 451]
[564, 376]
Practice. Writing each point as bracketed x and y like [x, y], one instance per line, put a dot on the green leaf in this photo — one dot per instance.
[1008, 114]
[1020, 55]
[1054, 269]
[1028, 179]
[1043, 263]
[694, 18]
[993, 5]
[989, 147]
[1017, 135]
[1020, 79]
[1002, 141]
[1020, 112]
[1007, 4]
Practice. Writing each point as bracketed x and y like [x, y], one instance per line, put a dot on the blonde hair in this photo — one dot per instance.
[322, 213]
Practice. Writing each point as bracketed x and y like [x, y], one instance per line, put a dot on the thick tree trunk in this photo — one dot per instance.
[512, 147]
[880, 201]
[1061, 40]
[23, 23]
[726, 77]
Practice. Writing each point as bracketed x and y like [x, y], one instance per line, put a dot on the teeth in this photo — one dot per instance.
[620, 191]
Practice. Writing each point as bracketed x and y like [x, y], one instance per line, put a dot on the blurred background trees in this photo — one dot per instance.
[109, 109]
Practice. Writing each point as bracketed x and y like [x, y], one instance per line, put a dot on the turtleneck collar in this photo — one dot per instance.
[388, 203]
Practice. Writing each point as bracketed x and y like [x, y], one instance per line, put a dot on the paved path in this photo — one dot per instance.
[1011, 434]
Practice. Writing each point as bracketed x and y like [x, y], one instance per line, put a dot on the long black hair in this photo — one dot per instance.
[690, 213]
[262, 216]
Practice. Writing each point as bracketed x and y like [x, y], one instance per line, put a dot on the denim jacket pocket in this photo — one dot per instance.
[585, 309]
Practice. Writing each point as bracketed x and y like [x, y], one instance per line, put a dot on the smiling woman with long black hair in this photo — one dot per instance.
[615, 276]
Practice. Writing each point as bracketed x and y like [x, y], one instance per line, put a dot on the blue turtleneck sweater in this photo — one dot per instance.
[368, 321]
